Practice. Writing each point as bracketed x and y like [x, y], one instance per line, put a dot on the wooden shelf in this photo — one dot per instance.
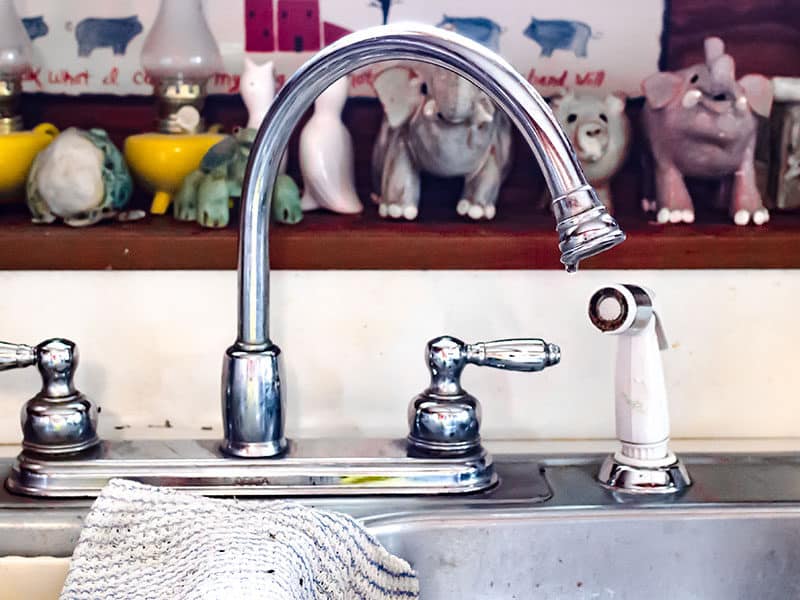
[515, 240]
[763, 37]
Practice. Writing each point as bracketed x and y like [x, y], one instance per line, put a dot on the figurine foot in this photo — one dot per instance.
[213, 220]
[741, 217]
[759, 217]
[665, 215]
[89, 219]
[43, 220]
[475, 211]
[185, 213]
[131, 215]
[396, 211]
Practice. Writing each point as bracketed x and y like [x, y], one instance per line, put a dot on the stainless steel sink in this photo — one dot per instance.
[672, 554]
[734, 535]
[549, 530]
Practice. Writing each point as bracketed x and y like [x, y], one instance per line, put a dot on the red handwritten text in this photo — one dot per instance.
[33, 75]
[590, 78]
[365, 77]
[112, 78]
[228, 81]
[563, 79]
[141, 78]
[547, 80]
[64, 77]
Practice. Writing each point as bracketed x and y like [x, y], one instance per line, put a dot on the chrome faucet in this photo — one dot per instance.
[252, 395]
[63, 457]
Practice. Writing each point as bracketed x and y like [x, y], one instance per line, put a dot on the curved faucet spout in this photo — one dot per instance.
[581, 234]
[582, 223]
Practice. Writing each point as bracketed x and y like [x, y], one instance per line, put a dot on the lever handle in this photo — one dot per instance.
[525, 354]
[16, 356]
[59, 419]
[447, 356]
[444, 419]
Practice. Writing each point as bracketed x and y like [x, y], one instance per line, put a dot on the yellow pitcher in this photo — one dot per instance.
[17, 151]
[161, 161]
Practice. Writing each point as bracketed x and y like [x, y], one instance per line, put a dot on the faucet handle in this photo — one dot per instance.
[447, 356]
[16, 356]
[523, 354]
[445, 419]
[59, 419]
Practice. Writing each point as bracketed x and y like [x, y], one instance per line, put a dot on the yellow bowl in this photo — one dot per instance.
[17, 151]
[161, 161]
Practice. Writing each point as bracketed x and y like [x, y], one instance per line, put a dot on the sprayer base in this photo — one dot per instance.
[618, 475]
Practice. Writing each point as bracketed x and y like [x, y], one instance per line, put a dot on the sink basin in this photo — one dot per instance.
[548, 530]
[679, 554]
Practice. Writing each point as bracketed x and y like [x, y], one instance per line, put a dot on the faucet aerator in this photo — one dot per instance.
[584, 227]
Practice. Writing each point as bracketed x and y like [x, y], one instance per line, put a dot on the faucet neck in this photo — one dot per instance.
[583, 225]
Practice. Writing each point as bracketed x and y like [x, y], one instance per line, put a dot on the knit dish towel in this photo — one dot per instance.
[144, 542]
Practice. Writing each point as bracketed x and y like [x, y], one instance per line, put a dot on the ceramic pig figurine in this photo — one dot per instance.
[438, 123]
[600, 133]
[701, 122]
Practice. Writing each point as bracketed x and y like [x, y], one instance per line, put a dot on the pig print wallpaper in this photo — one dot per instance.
[93, 46]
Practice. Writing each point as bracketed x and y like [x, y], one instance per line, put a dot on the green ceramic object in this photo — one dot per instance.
[286, 201]
[206, 194]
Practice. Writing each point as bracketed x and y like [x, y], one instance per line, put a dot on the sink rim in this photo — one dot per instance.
[730, 485]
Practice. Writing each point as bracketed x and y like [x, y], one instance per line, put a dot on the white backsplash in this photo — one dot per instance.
[152, 343]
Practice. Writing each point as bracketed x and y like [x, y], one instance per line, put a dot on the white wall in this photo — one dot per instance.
[152, 344]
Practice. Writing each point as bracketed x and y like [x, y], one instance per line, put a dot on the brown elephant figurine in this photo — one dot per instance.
[700, 122]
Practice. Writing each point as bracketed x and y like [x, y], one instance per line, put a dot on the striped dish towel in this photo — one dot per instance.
[143, 542]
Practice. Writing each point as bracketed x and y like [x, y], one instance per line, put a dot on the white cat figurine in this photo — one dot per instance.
[257, 88]
[326, 155]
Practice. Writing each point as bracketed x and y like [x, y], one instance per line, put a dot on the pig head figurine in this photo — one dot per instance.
[600, 134]
[439, 123]
[700, 122]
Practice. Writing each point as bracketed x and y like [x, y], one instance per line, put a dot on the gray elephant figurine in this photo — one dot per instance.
[206, 194]
[600, 134]
[700, 122]
[439, 123]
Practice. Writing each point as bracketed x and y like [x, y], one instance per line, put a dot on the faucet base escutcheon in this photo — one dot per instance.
[309, 467]
[620, 475]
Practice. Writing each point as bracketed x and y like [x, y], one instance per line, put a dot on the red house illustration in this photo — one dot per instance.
[259, 25]
[287, 26]
[298, 25]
